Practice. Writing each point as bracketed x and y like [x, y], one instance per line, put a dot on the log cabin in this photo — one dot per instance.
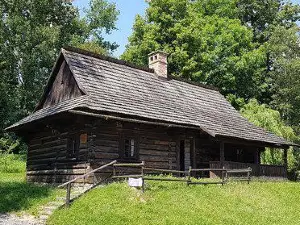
[96, 109]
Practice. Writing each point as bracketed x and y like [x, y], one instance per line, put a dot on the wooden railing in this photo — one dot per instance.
[69, 183]
[222, 171]
[257, 169]
[143, 175]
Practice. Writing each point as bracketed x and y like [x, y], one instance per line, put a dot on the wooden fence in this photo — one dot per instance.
[144, 171]
[257, 169]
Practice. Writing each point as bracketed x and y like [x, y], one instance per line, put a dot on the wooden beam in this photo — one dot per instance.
[239, 141]
[257, 156]
[193, 152]
[166, 124]
[222, 154]
[285, 160]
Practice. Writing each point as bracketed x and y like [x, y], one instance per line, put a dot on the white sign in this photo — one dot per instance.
[135, 182]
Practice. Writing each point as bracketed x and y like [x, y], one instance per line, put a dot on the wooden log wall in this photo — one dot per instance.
[47, 160]
[156, 145]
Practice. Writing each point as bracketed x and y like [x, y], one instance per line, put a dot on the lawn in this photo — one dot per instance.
[18, 196]
[175, 203]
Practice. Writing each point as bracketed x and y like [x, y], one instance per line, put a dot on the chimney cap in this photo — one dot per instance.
[158, 51]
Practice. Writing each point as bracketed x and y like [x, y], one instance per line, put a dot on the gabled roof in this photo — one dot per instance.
[115, 87]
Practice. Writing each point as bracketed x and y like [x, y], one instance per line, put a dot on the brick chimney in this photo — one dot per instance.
[159, 62]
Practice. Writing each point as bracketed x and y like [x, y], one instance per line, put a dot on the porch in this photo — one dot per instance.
[232, 156]
[258, 170]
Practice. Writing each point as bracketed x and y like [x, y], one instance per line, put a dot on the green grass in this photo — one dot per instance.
[18, 196]
[12, 163]
[175, 203]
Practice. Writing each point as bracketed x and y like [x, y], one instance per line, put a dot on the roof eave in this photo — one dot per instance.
[284, 144]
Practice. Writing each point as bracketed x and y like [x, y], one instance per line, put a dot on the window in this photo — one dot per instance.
[129, 148]
[73, 146]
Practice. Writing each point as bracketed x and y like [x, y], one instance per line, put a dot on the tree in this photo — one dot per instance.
[206, 41]
[262, 16]
[284, 46]
[32, 33]
[270, 120]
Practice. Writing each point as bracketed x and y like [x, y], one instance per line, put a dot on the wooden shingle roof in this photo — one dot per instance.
[115, 87]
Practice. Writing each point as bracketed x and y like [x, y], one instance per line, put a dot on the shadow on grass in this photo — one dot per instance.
[15, 196]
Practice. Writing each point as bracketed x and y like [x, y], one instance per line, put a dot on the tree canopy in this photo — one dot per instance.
[221, 43]
[32, 33]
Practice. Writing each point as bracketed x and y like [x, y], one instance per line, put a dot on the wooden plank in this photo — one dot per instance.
[165, 170]
[127, 176]
[164, 179]
[90, 172]
[204, 183]
[129, 164]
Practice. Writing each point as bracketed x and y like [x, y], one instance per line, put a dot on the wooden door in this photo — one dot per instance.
[185, 155]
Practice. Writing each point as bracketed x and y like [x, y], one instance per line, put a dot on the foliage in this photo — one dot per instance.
[222, 43]
[284, 46]
[263, 16]
[175, 203]
[206, 42]
[32, 33]
[269, 119]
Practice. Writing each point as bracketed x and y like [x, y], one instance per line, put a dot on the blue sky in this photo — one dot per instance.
[128, 10]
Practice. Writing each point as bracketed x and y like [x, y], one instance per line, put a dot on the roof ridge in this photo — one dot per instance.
[126, 63]
[107, 58]
[210, 87]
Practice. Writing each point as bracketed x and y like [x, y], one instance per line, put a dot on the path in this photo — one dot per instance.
[45, 212]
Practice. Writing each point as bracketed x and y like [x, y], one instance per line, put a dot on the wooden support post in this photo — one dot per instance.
[285, 160]
[222, 155]
[193, 152]
[257, 156]
[68, 195]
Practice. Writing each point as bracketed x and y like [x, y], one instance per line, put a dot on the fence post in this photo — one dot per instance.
[94, 179]
[68, 195]
[223, 177]
[249, 175]
[143, 181]
[114, 170]
[226, 175]
[189, 176]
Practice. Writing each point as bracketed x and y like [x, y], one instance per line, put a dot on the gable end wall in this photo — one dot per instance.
[63, 88]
